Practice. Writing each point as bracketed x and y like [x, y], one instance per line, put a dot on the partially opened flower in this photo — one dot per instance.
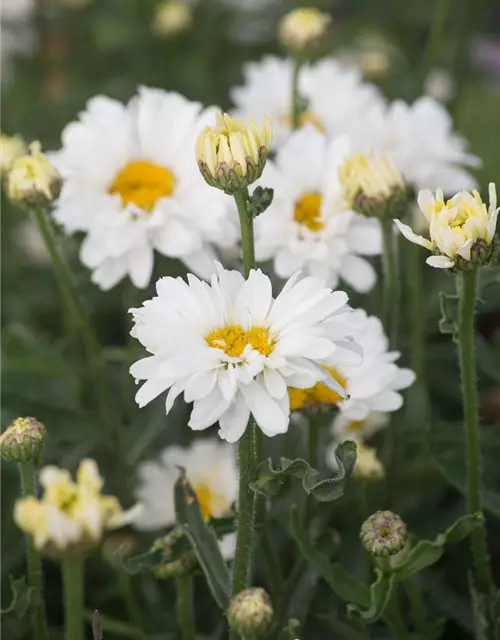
[373, 385]
[132, 184]
[309, 224]
[461, 229]
[211, 470]
[71, 515]
[32, 179]
[11, 148]
[233, 349]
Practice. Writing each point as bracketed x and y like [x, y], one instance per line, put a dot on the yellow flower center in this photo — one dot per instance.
[319, 394]
[308, 212]
[211, 503]
[143, 183]
[233, 339]
[306, 117]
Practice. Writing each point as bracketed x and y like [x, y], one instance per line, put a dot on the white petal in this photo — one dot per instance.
[492, 225]
[208, 410]
[140, 265]
[387, 401]
[150, 390]
[234, 421]
[275, 384]
[404, 379]
[227, 381]
[358, 273]
[440, 262]
[465, 249]
[413, 237]
[267, 412]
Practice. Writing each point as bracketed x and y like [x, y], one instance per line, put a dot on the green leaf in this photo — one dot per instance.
[345, 586]
[427, 552]
[259, 201]
[270, 480]
[449, 313]
[22, 596]
[134, 564]
[203, 540]
[380, 595]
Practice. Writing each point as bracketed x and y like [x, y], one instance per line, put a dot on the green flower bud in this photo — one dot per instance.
[250, 613]
[383, 534]
[23, 440]
[176, 563]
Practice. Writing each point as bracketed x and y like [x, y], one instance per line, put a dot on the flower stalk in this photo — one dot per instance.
[467, 292]
[416, 306]
[72, 570]
[391, 289]
[78, 313]
[27, 472]
[296, 102]
[185, 613]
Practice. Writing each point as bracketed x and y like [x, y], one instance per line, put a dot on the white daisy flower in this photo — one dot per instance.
[344, 428]
[212, 472]
[233, 349]
[372, 386]
[133, 185]
[309, 225]
[336, 96]
[423, 144]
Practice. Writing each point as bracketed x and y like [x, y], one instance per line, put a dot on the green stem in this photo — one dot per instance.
[390, 282]
[185, 613]
[128, 596]
[72, 570]
[78, 313]
[394, 619]
[312, 458]
[250, 441]
[417, 606]
[27, 471]
[467, 293]
[296, 106]
[435, 38]
[416, 307]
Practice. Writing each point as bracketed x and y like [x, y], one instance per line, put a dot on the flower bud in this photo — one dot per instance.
[383, 534]
[368, 466]
[32, 180]
[303, 30]
[373, 186]
[23, 440]
[232, 155]
[184, 562]
[11, 147]
[250, 613]
[172, 18]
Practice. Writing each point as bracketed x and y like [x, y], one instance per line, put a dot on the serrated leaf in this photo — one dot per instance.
[427, 552]
[380, 595]
[270, 479]
[203, 540]
[134, 564]
[259, 201]
[449, 313]
[22, 597]
[345, 586]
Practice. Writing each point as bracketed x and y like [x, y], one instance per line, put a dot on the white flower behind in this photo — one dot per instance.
[309, 225]
[133, 185]
[336, 96]
[210, 469]
[232, 349]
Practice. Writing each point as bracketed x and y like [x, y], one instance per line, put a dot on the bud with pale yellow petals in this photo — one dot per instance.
[11, 148]
[32, 179]
[232, 154]
[23, 441]
[303, 30]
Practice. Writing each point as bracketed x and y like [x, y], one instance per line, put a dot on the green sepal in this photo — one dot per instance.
[448, 323]
[380, 596]
[22, 598]
[259, 201]
[427, 552]
[271, 479]
[203, 540]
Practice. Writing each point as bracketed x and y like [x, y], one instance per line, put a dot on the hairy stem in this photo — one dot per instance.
[34, 562]
[390, 281]
[185, 613]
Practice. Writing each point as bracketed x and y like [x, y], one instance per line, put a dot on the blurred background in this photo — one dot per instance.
[57, 54]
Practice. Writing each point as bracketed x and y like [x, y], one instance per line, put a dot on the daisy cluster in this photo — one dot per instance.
[241, 349]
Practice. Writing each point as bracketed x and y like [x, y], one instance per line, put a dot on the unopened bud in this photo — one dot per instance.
[23, 440]
[176, 564]
[481, 254]
[304, 30]
[383, 534]
[368, 465]
[250, 613]
[232, 154]
[11, 148]
[32, 180]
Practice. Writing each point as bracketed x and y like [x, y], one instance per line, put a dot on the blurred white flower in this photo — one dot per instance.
[210, 469]
[28, 239]
[372, 386]
[336, 97]
[133, 185]
[309, 225]
[461, 229]
[344, 428]
[71, 514]
[233, 349]
[440, 85]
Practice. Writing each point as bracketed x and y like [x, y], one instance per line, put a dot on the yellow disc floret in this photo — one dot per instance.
[307, 212]
[233, 339]
[320, 394]
[143, 184]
